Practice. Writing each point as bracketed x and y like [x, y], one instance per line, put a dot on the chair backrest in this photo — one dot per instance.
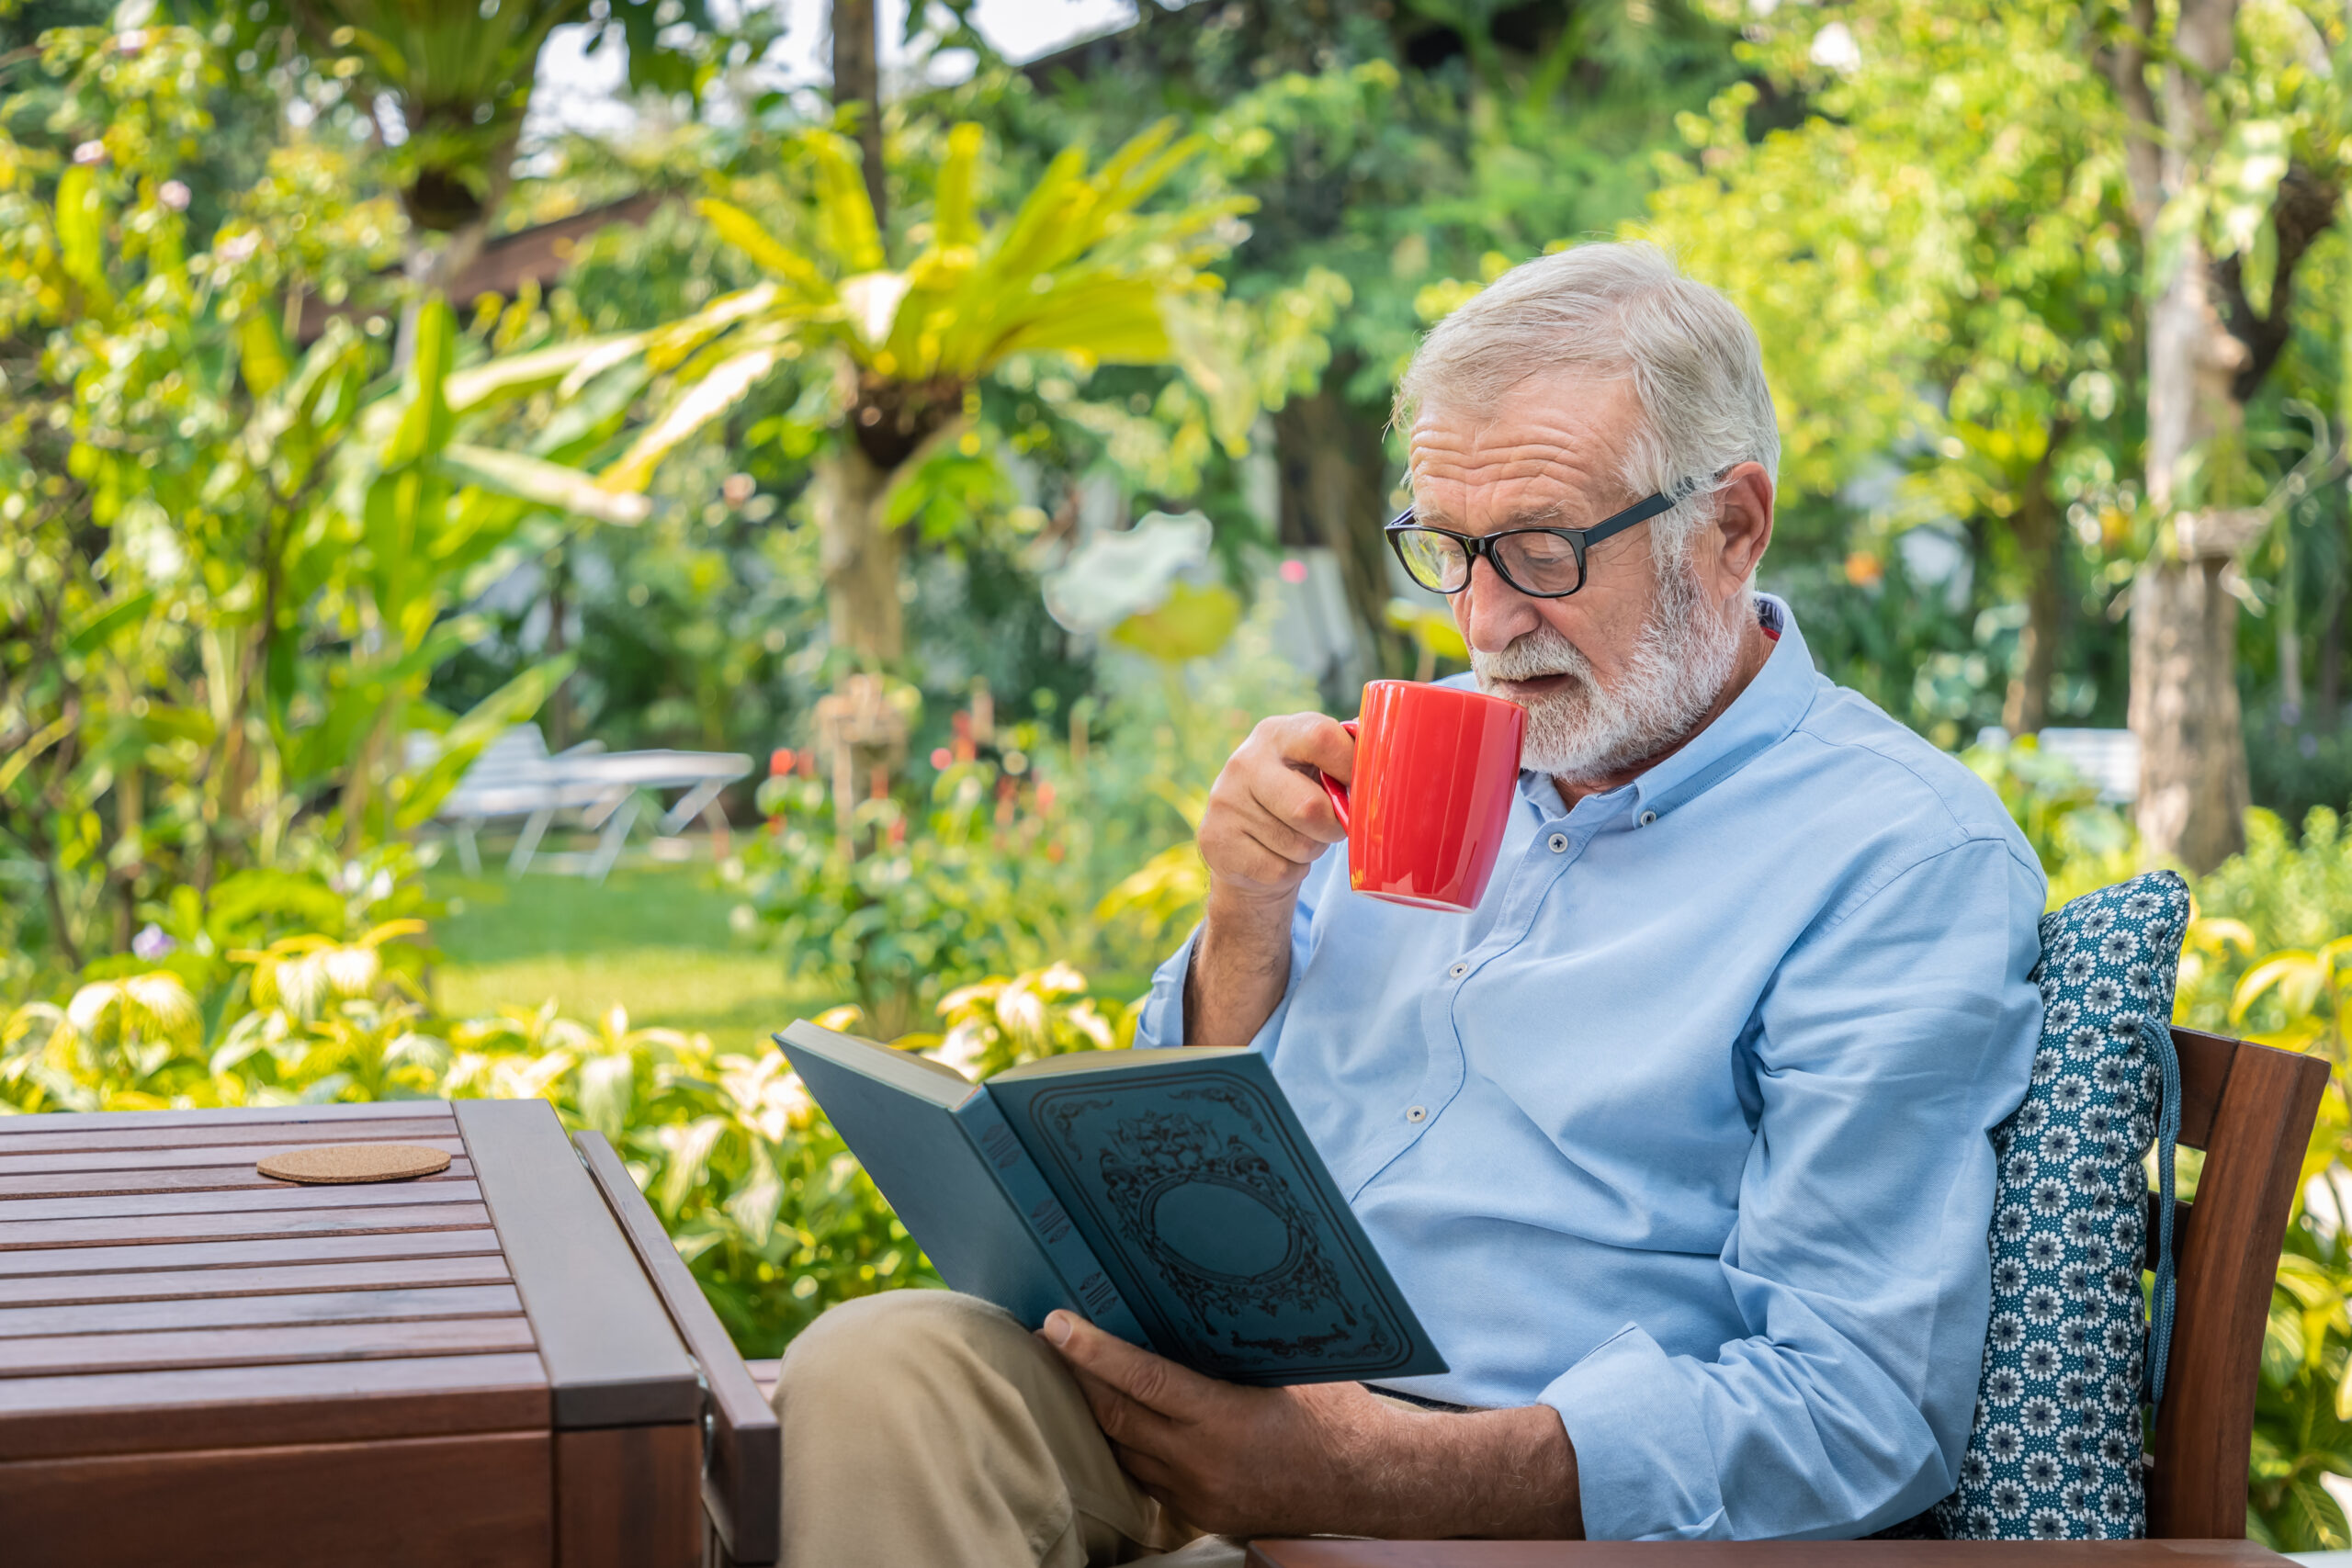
[2250, 1109]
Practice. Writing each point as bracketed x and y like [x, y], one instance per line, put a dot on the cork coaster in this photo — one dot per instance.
[337, 1163]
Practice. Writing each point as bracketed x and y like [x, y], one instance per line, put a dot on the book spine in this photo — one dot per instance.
[1082, 1273]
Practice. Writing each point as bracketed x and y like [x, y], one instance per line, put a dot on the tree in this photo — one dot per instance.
[444, 87]
[226, 570]
[1076, 272]
[2232, 156]
[857, 88]
[1938, 261]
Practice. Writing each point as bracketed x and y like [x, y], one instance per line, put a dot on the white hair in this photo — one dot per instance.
[1615, 310]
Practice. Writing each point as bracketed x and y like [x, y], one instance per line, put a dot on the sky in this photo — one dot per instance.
[576, 92]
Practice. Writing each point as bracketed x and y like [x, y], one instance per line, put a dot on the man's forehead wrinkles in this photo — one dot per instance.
[1530, 487]
[1529, 463]
[1535, 514]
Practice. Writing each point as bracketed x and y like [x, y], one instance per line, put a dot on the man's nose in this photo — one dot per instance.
[1491, 613]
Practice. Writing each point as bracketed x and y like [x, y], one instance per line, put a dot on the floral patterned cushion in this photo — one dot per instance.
[2055, 1453]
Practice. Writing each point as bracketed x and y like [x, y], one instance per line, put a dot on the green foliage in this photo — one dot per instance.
[2303, 1423]
[229, 564]
[2287, 892]
[1076, 271]
[1009, 860]
[977, 884]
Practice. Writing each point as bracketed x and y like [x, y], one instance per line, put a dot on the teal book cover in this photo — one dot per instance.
[1170, 1196]
[1190, 1176]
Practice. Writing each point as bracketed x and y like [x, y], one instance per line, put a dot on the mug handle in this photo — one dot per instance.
[1333, 787]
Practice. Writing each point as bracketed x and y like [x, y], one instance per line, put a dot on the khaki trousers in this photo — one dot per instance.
[926, 1429]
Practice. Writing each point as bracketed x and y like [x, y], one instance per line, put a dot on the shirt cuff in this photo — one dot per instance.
[1644, 1468]
[1162, 1022]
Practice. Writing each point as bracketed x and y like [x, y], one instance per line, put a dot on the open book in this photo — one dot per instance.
[1169, 1197]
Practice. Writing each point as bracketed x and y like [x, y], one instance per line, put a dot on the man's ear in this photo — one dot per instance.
[1743, 527]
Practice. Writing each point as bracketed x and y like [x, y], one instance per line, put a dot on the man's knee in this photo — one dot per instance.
[898, 1337]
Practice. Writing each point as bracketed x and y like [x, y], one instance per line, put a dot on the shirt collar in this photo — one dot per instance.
[1761, 715]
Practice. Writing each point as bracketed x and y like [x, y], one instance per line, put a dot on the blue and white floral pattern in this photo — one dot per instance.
[2055, 1451]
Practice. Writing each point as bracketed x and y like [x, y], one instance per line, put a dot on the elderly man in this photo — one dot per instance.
[1677, 1143]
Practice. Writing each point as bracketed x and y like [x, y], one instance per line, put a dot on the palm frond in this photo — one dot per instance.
[705, 400]
[845, 226]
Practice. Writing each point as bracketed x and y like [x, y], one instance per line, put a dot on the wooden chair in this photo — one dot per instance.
[2250, 1109]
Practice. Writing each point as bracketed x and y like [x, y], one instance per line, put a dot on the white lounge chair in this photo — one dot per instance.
[515, 777]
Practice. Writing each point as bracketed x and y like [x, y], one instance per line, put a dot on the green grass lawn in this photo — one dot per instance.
[654, 939]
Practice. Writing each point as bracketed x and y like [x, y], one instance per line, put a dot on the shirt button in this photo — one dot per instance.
[1648, 817]
[1416, 1113]
[1559, 843]
[1459, 970]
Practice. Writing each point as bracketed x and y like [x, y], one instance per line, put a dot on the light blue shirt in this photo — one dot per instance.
[1683, 1131]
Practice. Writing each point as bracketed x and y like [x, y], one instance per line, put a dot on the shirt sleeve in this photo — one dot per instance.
[1162, 1021]
[1894, 1036]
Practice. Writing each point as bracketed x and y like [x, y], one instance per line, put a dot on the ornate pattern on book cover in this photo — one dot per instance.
[1216, 1206]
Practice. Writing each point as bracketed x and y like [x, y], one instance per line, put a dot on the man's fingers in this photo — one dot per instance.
[1149, 1470]
[1315, 740]
[1153, 1381]
[1124, 1422]
[1296, 800]
[1286, 846]
[1289, 814]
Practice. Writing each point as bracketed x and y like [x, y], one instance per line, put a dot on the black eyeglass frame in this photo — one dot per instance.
[1579, 540]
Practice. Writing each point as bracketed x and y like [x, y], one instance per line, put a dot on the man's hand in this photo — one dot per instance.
[1319, 1458]
[1267, 822]
[1268, 818]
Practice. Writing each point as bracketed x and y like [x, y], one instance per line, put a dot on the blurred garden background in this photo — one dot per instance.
[973, 414]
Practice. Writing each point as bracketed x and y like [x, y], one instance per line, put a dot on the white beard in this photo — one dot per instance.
[1586, 730]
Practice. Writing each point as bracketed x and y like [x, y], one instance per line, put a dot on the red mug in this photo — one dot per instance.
[1436, 769]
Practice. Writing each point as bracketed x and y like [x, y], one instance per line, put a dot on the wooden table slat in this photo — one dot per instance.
[66, 1354]
[134, 1228]
[340, 1248]
[292, 1279]
[233, 1177]
[354, 1504]
[314, 1402]
[222, 1116]
[275, 1198]
[257, 1311]
[626, 1497]
[14, 1163]
[166, 1135]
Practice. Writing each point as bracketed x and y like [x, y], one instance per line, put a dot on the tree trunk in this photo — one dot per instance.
[2288, 622]
[860, 554]
[2184, 623]
[1334, 467]
[558, 705]
[2040, 538]
[857, 79]
[433, 271]
[2193, 789]
[2328, 700]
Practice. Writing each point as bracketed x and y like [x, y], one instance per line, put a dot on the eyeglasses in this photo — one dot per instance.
[1542, 563]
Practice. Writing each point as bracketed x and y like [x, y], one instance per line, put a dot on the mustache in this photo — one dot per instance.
[1531, 656]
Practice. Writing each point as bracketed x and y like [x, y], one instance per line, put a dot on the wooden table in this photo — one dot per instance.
[200, 1365]
[1763, 1554]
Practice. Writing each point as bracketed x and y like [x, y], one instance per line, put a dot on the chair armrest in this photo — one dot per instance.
[742, 1480]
